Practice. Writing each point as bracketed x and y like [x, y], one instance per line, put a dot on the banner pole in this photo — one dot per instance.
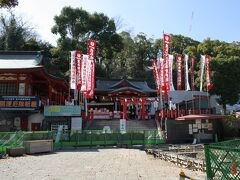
[192, 80]
[207, 89]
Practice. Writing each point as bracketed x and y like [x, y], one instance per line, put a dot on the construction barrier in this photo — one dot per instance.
[81, 138]
[223, 160]
[103, 138]
[16, 139]
[10, 139]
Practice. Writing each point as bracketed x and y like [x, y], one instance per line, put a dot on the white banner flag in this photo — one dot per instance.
[161, 73]
[89, 75]
[84, 73]
[73, 70]
[170, 73]
[187, 86]
[202, 67]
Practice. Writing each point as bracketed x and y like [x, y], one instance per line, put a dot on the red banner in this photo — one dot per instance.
[179, 72]
[156, 75]
[166, 44]
[192, 77]
[161, 73]
[91, 68]
[78, 69]
[209, 84]
[91, 49]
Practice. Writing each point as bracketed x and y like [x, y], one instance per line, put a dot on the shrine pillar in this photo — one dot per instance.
[124, 103]
[143, 109]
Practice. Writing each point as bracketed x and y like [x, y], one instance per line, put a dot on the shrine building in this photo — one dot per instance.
[25, 87]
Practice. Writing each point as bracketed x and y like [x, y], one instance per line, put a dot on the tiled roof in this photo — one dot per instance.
[110, 85]
[20, 60]
[126, 89]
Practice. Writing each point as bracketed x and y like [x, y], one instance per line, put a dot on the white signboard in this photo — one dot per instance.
[190, 129]
[76, 123]
[122, 125]
[198, 121]
[21, 89]
[73, 70]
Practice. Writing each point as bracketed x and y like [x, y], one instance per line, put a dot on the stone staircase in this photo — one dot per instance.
[131, 125]
[141, 125]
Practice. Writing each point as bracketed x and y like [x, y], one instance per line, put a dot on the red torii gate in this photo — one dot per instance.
[125, 101]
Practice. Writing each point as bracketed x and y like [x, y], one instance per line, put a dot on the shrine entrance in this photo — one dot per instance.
[121, 99]
[133, 108]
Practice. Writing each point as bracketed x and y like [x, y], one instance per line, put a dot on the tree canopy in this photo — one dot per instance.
[15, 34]
[8, 3]
[76, 26]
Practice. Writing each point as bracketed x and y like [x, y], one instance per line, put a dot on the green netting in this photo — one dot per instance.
[81, 138]
[98, 137]
[223, 160]
[10, 139]
[16, 139]
[38, 135]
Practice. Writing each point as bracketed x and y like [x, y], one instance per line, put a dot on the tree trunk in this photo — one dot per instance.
[224, 109]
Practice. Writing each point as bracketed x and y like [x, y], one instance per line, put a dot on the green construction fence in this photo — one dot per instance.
[223, 160]
[16, 139]
[81, 138]
[102, 138]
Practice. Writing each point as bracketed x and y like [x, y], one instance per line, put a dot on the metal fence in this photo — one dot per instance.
[81, 138]
[223, 160]
[10, 139]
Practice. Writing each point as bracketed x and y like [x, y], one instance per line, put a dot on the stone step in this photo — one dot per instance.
[130, 124]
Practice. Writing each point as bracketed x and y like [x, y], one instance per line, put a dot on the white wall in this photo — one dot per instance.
[179, 96]
[34, 118]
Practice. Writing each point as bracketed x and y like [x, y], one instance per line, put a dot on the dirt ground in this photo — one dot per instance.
[103, 164]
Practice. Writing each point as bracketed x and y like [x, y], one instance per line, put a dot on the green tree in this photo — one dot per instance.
[123, 60]
[8, 3]
[226, 75]
[225, 68]
[15, 34]
[143, 55]
[76, 27]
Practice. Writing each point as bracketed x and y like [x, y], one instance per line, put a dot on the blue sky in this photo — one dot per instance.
[217, 19]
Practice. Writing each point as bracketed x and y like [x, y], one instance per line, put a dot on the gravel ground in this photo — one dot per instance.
[107, 164]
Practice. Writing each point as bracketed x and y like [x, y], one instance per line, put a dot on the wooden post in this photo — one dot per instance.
[124, 109]
[17, 85]
[49, 92]
[26, 87]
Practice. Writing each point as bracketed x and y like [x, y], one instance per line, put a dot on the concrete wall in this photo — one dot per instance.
[178, 131]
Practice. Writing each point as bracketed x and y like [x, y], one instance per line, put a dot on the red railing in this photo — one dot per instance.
[172, 114]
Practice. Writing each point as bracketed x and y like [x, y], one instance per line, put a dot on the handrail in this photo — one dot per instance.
[172, 114]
